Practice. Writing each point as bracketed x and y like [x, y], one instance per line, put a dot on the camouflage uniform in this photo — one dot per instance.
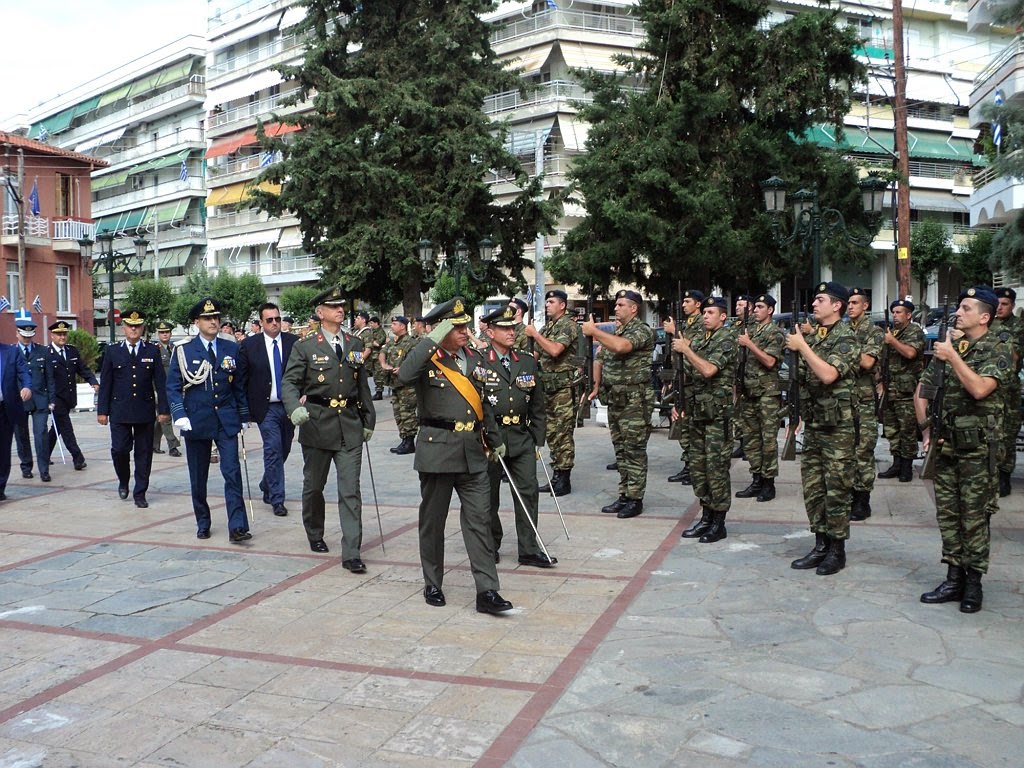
[899, 423]
[870, 338]
[626, 388]
[709, 409]
[759, 404]
[693, 329]
[1009, 332]
[827, 411]
[378, 338]
[559, 376]
[965, 483]
[522, 341]
[403, 399]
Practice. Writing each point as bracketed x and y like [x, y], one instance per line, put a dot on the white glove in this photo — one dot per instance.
[184, 424]
[299, 416]
[245, 425]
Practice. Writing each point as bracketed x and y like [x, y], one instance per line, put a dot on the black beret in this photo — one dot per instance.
[765, 299]
[983, 294]
[1006, 293]
[633, 296]
[905, 303]
[693, 294]
[400, 319]
[714, 301]
[833, 289]
[557, 293]
[861, 292]
[519, 303]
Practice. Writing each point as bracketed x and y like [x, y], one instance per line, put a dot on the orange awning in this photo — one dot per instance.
[231, 144]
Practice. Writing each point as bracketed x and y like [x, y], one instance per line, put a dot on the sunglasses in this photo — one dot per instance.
[271, 319]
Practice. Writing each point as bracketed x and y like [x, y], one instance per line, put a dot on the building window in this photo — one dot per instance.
[12, 284]
[64, 196]
[63, 289]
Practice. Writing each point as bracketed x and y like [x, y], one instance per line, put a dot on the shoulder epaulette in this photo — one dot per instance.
[179, 342]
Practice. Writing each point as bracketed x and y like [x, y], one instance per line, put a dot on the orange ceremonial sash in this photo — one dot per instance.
[463, 385]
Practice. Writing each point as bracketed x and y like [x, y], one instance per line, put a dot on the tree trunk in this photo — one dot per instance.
[412, 299]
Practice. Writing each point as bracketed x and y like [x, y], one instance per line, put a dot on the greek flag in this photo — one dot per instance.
[4, 304]
[33, 198]
[183, 173]
[37, 304]
[551, 5]
[997, 129]
[43, 134]
[266, 159]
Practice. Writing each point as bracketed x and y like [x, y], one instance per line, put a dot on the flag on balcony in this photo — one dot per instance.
[551, 5]
[33, 198]
[997, 129]
[37, 304]
[4, 304]
[183, 173]
[43, 134]
[267, 159]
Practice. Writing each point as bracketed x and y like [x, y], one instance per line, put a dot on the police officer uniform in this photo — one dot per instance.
[133, 392]
[517, 397]
[26, 427]
[207, 401]
[66, 364]
[164, 428]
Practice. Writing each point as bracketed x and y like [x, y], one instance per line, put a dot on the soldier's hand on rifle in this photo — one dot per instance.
[681, 344]
[889, 338]
[669, 325]
[806, 327]
[531, 330]
[674, 416]
[744, 340]
[944, 350]
[796, 342]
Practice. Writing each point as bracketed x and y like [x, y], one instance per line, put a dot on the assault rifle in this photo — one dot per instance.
[885, 374]
[678, 368]
[741, 367]
[792, 396]
[935, 404]
[583, 409]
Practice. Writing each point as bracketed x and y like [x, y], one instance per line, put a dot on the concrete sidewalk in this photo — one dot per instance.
[124, 641]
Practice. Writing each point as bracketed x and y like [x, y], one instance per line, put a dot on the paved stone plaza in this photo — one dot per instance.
[124, 641]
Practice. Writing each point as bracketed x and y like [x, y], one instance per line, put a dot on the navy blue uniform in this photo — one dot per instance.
[14, 377]
[133, 389]
[66, 364]
[22, 432]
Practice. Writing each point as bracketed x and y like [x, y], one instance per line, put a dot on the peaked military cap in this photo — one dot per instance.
[767, 299]
[905, 303]
[331, 297]
[205, 307]
[981, 293]
[517, 302]
[453, 309]
[833, 289]
[163, 325]
[133, 318]
[287, 319]
[557, 293]
[61, 326]
[633, 296]
[505, 317]
[400, 319]
[693, 294]
[715, 301]
[1006, 293]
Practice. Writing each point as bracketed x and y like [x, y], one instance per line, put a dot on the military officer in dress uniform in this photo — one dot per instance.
[133, 390]
[66, 364]
[403, 399]
[208, 405]
[450, 454]
[515, 392]
[326, 394]
[24, 429]
[165, 428]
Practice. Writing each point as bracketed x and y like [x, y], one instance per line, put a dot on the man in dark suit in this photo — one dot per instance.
[515, 392]
[164, 428]
[208, 405]
[26, 345]
[327, 395]
[38, 406]
[450, 455]
[67, 365]
[261, 363]
[15, 384]
[133, 389]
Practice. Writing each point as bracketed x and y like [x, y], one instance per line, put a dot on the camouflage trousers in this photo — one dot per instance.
[560, 407]
[826, 477]
[966, 495]
[683, 428]
[710, 457]
[403, 402]
[380, 376]
[1011, 426]
[757, 422]
[899, 426]
[867, 439]
[629, 421]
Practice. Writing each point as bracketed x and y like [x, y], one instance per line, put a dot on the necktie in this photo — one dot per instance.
[63, 354]
[505, 363]
[28, 353]
[277, 368]
[211, 354]
[337, 349]
[132, 348]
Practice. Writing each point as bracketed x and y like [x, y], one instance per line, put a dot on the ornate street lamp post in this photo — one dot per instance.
[112, 261]
[458, 264]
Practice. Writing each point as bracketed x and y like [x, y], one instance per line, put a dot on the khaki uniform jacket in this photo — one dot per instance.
[517, 397]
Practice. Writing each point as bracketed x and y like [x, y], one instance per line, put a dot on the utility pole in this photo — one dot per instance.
[902, 154]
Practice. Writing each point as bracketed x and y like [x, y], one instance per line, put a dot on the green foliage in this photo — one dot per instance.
[297, 301]
[409, 152]
[671, 176]
[88, 347]
[1008, 247]
[975, 259]
[931, 248]
[470, 291]
[240, 295]
[154, 297]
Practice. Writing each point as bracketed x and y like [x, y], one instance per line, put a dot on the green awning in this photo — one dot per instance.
[87, 106]
[157, 79]
[55, 124]
[110, 223]
[169, 212]
[941, 146]
[108, 181]
[134, 218]
[174, 158]
[175, 258]
[115, 95]
[854, 140]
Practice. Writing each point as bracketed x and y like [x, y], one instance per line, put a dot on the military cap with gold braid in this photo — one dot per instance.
[61, 326]
[501, 318]
[332, 297]
[134, 317]
[453, 310]
[163, 325]
[205, 307]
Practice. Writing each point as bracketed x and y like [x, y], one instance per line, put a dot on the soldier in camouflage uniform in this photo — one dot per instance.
[692, 328]
[744, 317]
[403, 398]
[1009, 329]
[758, 401]
[828, 364]
[904, 350]
[977, 366]
[521, 308]
[870, 338]
[626, 387]
[555, 346]
[710, 365]
[378, 338]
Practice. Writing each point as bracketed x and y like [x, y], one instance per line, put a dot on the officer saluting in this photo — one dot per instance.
[450, 454]
[66, 363]
[133, 388]
[208, 405]
[514, 391]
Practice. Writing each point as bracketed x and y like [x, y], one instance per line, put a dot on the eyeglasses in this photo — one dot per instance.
[271, 319]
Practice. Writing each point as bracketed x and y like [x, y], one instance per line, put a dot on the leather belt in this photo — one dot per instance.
[333, 402]
[452, 426]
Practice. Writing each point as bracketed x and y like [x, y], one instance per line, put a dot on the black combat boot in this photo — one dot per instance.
[616, 506]
[813, 558]
[861, 507]
[971, 601]
[717, 530]
[631, 508]
[555, 473]
[894, 470]
[907, 470]
[682, 476]
[700, 526]
[1004, 484]
[738, 450]
[753, 489]
[835, 558]
[949, 590]
[562, 485]
[408, 445]
[767, 489]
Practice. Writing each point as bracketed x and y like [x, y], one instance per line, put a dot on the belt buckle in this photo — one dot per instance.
[515, 419]
[464, 426]
[336, 403]
[506, 420]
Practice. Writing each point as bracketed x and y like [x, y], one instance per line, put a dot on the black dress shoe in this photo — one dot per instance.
[203, 533]
[318, 546]
[158, 450]
[540, 560]
[122, 491]
[433, 596]
[3, 496]
[44, 476]
[174, 452]
[497, 557]
[280, 510]
[142, 504]
[491, 602]
[613, 465]
[27, 474]
[632, 508]
[355, 565]
[80, 467]
[238, 535]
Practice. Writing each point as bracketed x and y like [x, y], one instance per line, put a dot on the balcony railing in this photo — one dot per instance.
[236, 11]
[268, 267]
[591, 22]
[244, 165]
[265, 56]
[152, 194]
[195, 87]
[554, 165]
[556, 90]
[34, 226]
[247, 112]
[42, 227]
[70, 229]
[1016, 48]
[151, 146]
[236, 219]
[990, 174]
